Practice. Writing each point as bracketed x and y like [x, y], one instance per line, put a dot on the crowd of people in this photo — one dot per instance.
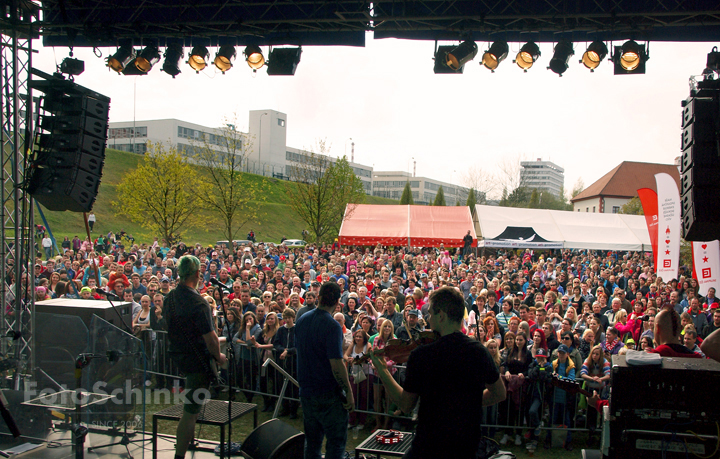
[565, 313]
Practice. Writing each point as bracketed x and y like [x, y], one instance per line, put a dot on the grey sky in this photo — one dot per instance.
[388, 100]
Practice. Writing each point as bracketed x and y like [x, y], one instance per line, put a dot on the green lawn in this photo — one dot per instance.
[277, 219]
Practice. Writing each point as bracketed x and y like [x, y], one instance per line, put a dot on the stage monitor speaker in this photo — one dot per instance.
[33, 421]
[274, 439]
[68, 159]
[700, 166]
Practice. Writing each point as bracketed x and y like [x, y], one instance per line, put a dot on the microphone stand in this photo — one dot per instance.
[230, 354]
[122, 321]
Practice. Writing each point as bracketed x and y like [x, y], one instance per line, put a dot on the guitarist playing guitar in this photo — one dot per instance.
[194, 345]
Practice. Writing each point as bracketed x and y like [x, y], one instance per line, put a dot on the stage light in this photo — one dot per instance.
[121, 58]
[561, 56]
[283, 61]
[225, 57]
[72, 66]
[441, 61]
[713, 60]
[198, 58]
[254, 57]
[630, 58]
[495, 55]
[147, 58]
[173, 54]
[462, 54]
[594, 55]
[529, 53]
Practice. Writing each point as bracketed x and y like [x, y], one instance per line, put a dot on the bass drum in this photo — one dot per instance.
[274, 439]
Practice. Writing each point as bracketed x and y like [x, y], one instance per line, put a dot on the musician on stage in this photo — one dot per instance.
[193, 343]
[444, 375]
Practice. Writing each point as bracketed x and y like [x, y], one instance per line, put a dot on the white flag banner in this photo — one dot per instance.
[706, 265]
[668, 260]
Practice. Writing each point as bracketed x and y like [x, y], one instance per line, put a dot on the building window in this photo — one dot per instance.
[578, 210]
[587, 209]
[616, 209]
[593, 209]
[281, 123]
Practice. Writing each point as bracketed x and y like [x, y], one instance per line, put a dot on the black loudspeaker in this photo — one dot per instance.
[69, 155]
[700, 163]
[33, 421]
[274, 440]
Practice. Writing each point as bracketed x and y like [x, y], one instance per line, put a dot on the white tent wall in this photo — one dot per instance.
[576, 230]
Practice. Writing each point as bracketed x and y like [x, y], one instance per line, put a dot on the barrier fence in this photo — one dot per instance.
[522, 412]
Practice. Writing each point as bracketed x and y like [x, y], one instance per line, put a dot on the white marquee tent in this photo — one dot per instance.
[539, 228]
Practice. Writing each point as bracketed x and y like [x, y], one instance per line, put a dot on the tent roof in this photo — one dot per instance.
[578, 230]
[418, 226]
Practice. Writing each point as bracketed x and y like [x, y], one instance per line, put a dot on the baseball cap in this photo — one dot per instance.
[165, 279]
[413, 312]
[564, 348]
[246, 249]
[214, 253]
[247, 260]
[540, 352]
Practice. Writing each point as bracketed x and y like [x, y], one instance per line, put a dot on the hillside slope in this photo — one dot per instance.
[278, 219]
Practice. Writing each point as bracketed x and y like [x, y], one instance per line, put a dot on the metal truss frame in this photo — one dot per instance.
[305, 22]
[17, 248]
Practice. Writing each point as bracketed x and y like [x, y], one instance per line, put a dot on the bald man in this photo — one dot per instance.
[667, 336]
[711, 346]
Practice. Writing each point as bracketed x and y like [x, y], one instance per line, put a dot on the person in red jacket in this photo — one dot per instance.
[667, 335]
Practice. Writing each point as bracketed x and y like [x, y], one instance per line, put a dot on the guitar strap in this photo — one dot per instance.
[201, 358]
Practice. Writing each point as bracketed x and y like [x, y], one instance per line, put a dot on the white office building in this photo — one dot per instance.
[542, 176]
[390, 184]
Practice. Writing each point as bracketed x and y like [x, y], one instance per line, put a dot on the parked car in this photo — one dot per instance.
[294, 243]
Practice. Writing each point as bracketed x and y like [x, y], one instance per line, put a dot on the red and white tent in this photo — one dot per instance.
[414, 226]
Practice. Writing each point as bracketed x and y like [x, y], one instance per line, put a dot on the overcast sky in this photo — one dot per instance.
[388, 100]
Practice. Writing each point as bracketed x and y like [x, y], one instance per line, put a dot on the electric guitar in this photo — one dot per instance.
[570, 385]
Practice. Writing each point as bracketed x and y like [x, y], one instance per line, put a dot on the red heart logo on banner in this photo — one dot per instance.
[704, 246]
[667, 241]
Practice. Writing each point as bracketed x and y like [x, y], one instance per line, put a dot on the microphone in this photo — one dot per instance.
[217, 283]
[110, 295]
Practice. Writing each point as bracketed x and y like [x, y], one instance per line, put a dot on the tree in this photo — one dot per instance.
[232, 194]
[632, 207]
[481, 182]
[578, 187]
[406, 197]
[162, 194]
[440, 198]
[534, 199]
[471, 200]
[325, 193]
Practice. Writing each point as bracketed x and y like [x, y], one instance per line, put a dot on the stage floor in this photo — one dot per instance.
[59, 446]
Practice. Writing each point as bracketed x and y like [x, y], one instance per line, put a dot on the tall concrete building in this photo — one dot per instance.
[542, 176]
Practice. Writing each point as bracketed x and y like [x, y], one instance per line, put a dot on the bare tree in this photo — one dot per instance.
[509, 177]
[325, 193]
[484, 183]
[232, 194]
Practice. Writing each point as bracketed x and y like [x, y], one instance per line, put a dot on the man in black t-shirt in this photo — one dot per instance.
[444, 375]
[193, 342]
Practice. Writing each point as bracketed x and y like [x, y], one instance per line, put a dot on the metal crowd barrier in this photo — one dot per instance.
[271, 381]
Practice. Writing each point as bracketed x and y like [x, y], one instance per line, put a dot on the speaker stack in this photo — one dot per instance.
[70, 151]
[700, 163]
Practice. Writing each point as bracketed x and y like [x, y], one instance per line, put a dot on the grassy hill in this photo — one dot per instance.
[278, 219]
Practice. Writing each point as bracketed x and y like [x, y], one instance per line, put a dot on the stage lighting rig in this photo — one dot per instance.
[529, 53]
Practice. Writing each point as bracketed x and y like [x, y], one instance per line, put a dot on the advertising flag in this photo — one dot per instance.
[649, 201]
[706, 265]
[668, 258]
